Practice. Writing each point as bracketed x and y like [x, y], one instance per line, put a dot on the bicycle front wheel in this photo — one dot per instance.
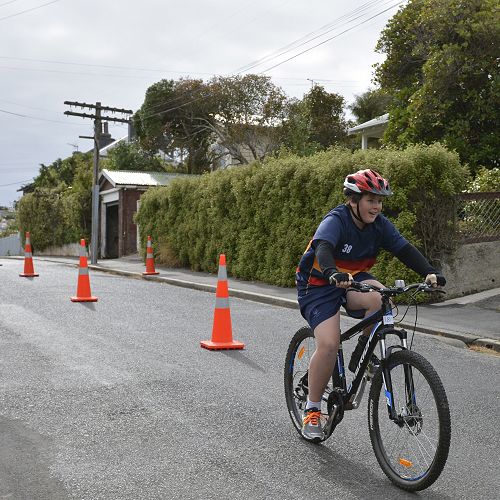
[411, 449]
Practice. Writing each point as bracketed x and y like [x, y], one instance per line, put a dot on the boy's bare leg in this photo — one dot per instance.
[327, 336]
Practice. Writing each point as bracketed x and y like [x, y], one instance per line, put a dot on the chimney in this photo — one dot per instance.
[105, 138]
[131, 131]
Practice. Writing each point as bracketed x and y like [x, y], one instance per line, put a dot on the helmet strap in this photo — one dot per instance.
[357, 215]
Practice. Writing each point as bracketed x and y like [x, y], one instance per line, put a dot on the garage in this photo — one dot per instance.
[119, 198]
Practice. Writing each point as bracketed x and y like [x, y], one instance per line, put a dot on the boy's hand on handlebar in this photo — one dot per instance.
[435, 280]
[341, 280]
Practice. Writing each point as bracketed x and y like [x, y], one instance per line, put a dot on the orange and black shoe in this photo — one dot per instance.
[311, 425]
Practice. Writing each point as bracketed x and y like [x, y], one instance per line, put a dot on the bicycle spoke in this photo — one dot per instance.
[408, 446]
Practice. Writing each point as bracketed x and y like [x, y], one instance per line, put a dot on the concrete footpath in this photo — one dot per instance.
[473, 319]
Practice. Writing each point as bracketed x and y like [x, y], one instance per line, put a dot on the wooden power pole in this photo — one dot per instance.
[98, 119]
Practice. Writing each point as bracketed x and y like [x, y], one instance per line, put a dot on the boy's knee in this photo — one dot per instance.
[328, 348]
[375, 301]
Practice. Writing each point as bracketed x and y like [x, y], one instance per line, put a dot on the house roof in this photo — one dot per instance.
[375, 126]
[104, 151]
[119, 178]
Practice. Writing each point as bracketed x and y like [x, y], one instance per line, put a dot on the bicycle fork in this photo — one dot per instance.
[387, 380]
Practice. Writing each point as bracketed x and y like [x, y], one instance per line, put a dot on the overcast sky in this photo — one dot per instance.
[112, 51]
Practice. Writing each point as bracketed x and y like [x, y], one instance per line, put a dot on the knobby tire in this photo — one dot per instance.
[428, 448]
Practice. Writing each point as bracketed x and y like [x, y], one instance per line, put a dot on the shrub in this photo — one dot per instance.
[485, 181]
[56, 212]
[263, 215]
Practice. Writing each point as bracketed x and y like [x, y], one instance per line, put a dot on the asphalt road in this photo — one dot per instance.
[116, 400]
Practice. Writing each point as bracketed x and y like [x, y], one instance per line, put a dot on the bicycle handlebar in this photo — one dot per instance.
[365, 287]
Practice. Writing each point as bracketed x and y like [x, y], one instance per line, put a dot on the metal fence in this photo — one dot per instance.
[10, 245]
[478, 217]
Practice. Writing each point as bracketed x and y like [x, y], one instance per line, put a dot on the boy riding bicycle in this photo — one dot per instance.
[343, 249]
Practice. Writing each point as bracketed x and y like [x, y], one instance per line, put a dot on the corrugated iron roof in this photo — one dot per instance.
[376, 122]
[129, 178]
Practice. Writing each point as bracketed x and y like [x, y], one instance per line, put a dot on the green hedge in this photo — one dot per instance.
[263, 215]
[58, 211]
[51, 217]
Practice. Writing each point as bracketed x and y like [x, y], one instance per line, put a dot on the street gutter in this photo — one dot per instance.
[468, 339]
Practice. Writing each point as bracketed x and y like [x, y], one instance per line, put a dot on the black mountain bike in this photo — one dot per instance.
[408, 413]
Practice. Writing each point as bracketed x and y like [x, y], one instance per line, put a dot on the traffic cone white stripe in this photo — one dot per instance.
[221, 303]
[222, 274]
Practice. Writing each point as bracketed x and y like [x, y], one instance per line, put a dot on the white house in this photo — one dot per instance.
[371, 129]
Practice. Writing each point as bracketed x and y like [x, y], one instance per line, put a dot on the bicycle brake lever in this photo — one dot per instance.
[431, 289]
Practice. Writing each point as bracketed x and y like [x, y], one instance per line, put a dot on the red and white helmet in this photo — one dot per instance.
[366, 181]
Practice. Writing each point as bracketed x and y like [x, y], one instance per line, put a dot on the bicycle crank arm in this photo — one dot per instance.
[329, 427]
[356, 399]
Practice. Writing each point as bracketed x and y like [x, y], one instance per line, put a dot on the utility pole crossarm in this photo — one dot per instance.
[98, 119]
[103, 108]
[93, 117]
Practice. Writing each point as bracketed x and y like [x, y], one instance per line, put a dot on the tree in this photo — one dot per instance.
[316, 122]
[130, 156]
[58, 210]
[149, 121]
[200, 122]
[247, 117]
[78, 200]
[59, 172]
[442, 70]
[172, 118]
[370, 104]
[296, 133]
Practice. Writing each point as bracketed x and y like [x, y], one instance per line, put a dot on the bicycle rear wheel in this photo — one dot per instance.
[300, 350]
[412, 450]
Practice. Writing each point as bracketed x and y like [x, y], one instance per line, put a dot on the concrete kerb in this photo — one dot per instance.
[240, 294]
[464, 338]
[468, 339]
[488, 344]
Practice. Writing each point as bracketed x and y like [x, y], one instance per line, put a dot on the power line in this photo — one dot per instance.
[306, 38]
[7, 3]
[29, 107]
[16, 183]
[347, 17]
[331, 38]
[98, 118]
[107, 66]
[194, 91]
[29, 10]
[295, 46]
[17, 163]
[36, 118]
[368, 4]
[77, 73]
[8, 168]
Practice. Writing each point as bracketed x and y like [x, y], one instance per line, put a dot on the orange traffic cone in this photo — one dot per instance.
[29, 271]
[222, 334]
[150, 259]
[83, 289]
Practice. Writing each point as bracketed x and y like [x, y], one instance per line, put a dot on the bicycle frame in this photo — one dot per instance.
[383, 325]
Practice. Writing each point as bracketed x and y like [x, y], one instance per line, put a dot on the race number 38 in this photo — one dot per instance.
[388, 319]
